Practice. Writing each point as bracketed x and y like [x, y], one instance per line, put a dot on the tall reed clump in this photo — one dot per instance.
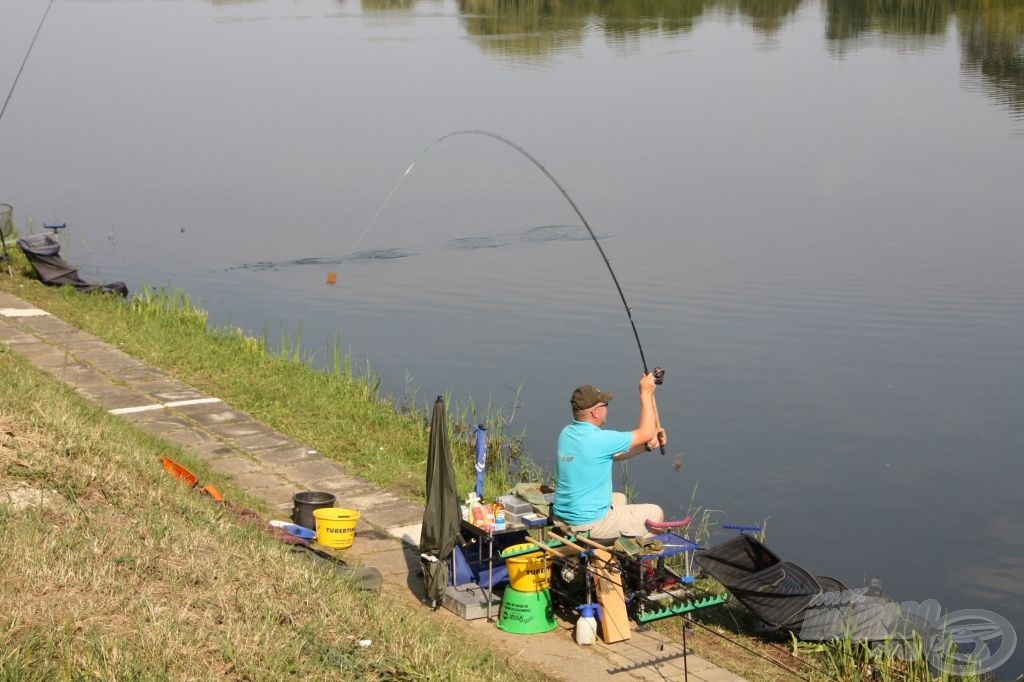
[506, 461]
[150, 303]
[890, 660]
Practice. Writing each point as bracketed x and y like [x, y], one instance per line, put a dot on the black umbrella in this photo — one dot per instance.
[441, 516]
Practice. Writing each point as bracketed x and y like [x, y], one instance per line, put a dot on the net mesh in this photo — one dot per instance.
[6, 220]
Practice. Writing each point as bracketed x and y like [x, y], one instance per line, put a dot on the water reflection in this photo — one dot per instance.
[388, 5]
[847, 20]
[992, 43]
[531, 24]
[528, 32]
[765, 16]
[525, 28]
[991, 35]
[991, 32]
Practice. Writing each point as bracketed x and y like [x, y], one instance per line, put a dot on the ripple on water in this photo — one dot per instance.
[555, 233]
[474, 243]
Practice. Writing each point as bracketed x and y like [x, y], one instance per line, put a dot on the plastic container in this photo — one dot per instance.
[526, 613]
[336, 527]
[529, 572]
[305, 503]
[533, 520]
[586, 625]
[499, 520]
[515, 504]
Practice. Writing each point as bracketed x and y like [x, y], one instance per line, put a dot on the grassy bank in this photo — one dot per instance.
[337, 410]
[134, 573]
[115, 570]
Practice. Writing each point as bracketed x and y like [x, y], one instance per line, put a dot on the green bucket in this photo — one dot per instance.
[526, 613]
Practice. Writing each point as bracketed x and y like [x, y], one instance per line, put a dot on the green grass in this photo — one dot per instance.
[124, 573]
[121, 560]
[337, 410]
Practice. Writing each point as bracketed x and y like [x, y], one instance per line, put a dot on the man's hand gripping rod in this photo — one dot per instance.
[659, 379]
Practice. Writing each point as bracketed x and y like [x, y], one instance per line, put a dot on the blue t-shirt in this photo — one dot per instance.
[583, 471]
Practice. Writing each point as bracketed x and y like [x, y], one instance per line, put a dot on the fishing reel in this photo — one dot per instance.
[659, 375]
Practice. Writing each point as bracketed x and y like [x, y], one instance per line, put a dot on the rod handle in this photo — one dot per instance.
[657, 423]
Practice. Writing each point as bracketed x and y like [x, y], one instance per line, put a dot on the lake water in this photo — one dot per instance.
[813, 208]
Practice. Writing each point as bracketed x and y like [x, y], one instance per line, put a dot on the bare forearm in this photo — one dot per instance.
[646, 428]
[632, 452]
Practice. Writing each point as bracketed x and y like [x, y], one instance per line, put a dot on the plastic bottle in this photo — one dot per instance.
[586, 624]
[499, 518]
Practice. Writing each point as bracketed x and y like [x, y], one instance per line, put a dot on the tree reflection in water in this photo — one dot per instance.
[991, 32]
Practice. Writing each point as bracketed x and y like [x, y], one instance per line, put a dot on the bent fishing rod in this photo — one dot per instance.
[659, 373]
[597, 243]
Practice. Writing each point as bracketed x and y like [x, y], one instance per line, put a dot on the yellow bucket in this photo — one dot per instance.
[529, 572]
[336, 527]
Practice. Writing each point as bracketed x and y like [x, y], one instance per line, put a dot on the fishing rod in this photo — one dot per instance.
[659, 373]
[597, 243]
[25, 60]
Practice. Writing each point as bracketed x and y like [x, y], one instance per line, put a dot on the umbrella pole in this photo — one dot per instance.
[481, 458]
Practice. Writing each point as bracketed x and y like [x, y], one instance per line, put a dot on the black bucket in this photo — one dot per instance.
[304, 503]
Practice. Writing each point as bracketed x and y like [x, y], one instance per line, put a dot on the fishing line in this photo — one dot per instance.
[25, 60]
[750, 650]
[381, 208]
[781, 650]
[659, 373]
[597, 243]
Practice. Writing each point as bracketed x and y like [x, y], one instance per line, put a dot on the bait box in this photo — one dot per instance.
[514, 504]
[533, 520]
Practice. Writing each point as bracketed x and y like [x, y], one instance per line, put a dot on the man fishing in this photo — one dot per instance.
[583, 494]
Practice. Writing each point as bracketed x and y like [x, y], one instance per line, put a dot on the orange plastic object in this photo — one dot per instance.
[332, 278]
[212, 492]
[180, 472]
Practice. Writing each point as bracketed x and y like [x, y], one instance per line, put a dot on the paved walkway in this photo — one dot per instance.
[272, 467]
